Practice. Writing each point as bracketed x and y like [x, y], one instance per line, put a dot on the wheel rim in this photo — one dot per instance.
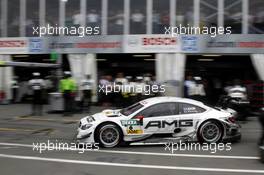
[211, 132]
[109, 136]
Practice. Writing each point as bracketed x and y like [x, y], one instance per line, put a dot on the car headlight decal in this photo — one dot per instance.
[86, 126]
[90, 119]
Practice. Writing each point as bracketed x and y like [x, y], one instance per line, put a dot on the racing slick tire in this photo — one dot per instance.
[108, 135]
[210, 132]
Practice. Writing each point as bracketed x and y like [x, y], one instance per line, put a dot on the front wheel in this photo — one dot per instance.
[210, 132]
[108, 135]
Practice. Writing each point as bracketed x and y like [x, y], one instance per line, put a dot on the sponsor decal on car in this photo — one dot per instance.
[130, 122]
[135, 131]
[132, 126]
[190, 110]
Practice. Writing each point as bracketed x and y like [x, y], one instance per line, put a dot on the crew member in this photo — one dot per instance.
[37, 85]
[86, 88]
[121, 79]
[237, 90]
[68, 89]
[198, 92]
[239, 93]
[15, 87]
[189, 84]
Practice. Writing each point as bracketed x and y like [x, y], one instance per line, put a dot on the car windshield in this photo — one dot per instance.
[131, 109]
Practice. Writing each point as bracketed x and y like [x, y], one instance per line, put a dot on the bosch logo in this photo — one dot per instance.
[159, 41]
[12, 43]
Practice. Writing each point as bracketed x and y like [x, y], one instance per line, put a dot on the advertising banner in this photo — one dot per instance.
[188, 44]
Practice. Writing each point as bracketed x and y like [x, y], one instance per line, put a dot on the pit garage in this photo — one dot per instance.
[217, 70]
[217, 60]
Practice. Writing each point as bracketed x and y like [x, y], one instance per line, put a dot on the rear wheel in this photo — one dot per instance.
[210, 132]
[108, 135]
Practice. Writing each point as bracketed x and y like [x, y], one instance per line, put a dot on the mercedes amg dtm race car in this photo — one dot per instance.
[159, 118]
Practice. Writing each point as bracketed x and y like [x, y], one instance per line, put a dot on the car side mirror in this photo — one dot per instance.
[140, 117]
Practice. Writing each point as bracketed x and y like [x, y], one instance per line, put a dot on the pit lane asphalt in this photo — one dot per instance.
[18, 132]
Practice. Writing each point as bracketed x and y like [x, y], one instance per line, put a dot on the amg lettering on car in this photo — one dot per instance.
[164, 123]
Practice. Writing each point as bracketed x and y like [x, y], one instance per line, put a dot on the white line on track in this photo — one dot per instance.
[6, 147]
[131, 165]
[213, 156]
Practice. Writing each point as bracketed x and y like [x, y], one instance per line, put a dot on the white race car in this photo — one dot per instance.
[159, 118]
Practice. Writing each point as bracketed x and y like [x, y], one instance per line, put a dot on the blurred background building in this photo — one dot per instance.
[135, 17]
